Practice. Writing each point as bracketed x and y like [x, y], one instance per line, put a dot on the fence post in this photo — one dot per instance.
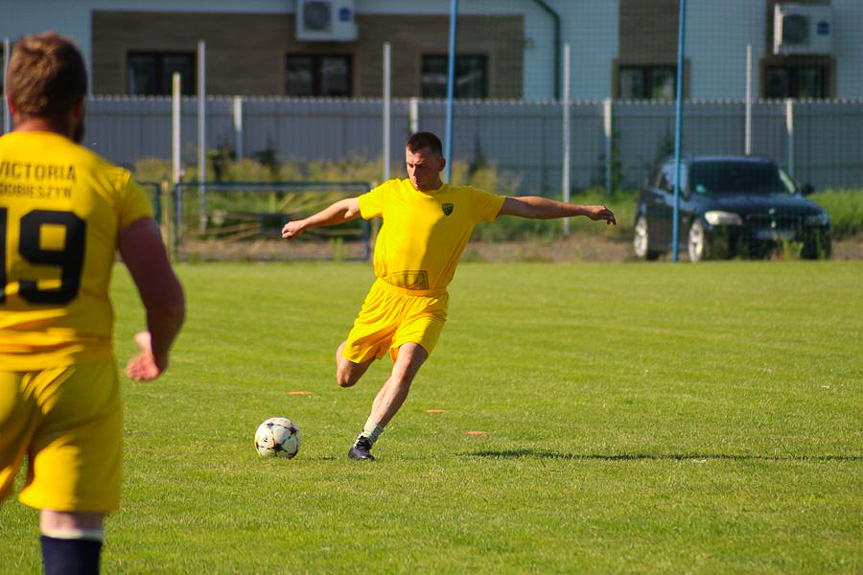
[387, 112]
[238, 127]
[747, 145]
[607, 127]
[789, 130]
[7, 120]
[164, 219]
[450, 89]
[566, 131]
[678, 128]
[202, 132]
[414, 114]
[176, 172]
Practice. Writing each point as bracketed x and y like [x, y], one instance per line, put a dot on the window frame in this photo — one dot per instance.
[794, 69]
[317, 59]
[460, 59]
[188, 86]
[647, 73]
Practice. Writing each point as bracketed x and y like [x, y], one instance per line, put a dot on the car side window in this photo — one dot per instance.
[667, 178]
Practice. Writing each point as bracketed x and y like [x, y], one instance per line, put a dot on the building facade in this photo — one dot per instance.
[507, 49]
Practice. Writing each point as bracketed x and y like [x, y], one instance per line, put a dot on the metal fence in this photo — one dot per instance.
[243, 220]
[819, 142]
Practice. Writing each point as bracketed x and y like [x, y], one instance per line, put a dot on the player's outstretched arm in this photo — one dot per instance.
[161, 293]
[338, 213]
[539, 208]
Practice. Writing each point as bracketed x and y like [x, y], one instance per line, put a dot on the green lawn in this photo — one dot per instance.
[640, 418]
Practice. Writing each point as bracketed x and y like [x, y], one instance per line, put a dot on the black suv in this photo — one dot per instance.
[729, 205]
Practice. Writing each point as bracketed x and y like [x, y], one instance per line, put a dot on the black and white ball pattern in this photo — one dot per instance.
[277, 437]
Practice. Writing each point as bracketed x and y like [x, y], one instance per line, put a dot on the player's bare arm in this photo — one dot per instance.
[161, 293]
[338, 213]
[539, 208]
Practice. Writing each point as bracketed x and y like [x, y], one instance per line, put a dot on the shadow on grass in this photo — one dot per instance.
[548, 454]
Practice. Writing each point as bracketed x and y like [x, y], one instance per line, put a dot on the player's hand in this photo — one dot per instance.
[292, 230]
[597, 213]
[144, 367]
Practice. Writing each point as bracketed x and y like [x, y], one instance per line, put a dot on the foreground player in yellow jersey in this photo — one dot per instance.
[426, 226]
[64, 214]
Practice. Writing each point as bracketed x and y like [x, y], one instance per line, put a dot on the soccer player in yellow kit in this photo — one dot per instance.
[64, 214]
[426, 226]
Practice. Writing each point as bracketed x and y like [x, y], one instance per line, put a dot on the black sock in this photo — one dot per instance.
[70, 556]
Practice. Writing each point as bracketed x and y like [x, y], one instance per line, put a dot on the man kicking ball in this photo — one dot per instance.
[426, 226]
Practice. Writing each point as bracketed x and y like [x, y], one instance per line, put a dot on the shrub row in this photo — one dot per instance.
[845, 205]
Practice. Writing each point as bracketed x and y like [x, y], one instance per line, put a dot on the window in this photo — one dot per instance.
[471, 77]
[738, 177]
[647, 82]
[318, 75]
[808, 81]
[668, 175]
[150, 73]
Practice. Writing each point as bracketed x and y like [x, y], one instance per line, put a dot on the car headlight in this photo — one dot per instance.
[820, 220]
[720, 218]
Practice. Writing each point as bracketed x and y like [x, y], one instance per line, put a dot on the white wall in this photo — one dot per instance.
[71, 19]
[716, 47]
[848, 47]
[590, 28]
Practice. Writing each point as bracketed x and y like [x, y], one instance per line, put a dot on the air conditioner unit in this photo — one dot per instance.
[802, 29]
[326, 21]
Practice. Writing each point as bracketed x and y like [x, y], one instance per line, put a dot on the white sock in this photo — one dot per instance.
[372, 431]
[72, 533]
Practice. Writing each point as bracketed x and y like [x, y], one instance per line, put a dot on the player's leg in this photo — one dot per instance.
[389, 398]
[392, 395]
[75, 462]
[349, 372]
[369, 338]
[409, 332]
[71, 542]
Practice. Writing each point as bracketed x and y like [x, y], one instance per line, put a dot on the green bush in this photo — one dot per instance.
[846, 210]
[621, 202]
[485, 176]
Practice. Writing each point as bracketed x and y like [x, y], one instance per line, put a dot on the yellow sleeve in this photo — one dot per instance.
[485, 206]
[133, 204]
[372, 203]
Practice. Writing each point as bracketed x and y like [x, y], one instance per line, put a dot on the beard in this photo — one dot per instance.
[78, 132]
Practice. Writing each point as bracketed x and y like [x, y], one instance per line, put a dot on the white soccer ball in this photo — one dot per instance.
[277, 437]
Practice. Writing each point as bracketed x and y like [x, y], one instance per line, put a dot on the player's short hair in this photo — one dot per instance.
[423, 140]
[46, 76]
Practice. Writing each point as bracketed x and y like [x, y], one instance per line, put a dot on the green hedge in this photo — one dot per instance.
[845, 205]
[845, 208]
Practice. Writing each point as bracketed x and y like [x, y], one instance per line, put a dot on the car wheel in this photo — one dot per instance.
[641, 241]
[697, 244]
[820, 247]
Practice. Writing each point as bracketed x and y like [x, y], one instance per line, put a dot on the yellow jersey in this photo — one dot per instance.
[61, 209]
[424, 233]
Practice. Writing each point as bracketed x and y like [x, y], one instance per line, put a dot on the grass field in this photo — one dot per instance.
[639, 418]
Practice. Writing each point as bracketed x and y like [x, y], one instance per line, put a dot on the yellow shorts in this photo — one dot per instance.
[68, 421]
[391, 317]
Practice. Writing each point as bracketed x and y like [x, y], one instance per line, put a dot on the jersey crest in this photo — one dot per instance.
[447, 209]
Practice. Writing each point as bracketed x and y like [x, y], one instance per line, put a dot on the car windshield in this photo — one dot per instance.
[731, 177]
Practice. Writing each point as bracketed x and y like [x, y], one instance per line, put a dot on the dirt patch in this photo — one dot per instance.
[851, 249]
[587, 248]
[577, 248]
